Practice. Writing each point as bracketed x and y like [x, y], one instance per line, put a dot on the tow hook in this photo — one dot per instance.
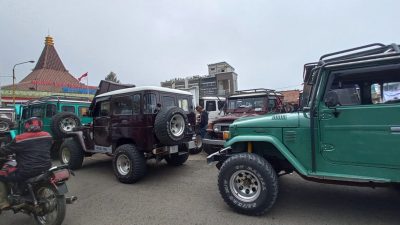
[71, 200]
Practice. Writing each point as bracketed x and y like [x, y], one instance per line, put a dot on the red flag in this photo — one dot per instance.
[82, 76]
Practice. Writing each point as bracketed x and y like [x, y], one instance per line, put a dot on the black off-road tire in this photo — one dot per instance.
[178, 159]
[163, 129]
[60, 207]
[262, 176]
[59, 121]
[5, 124]
[210, 149]
[75, 151]
[137, 164]
[198, 148]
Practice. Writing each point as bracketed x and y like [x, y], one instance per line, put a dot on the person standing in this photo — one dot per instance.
[203, 121]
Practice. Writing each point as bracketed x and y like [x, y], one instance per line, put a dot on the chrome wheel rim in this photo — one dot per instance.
[67, 124]
[123, 165]
[47, 195]
[65, 155]
[245, 185]
[177, 125]
[3, 126]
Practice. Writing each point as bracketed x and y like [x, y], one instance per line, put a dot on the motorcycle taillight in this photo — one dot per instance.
[60, 175]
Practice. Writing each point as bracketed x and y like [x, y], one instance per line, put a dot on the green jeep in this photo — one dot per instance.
[60, 114]
[347, 132]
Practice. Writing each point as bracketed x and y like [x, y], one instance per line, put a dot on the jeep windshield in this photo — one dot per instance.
[255, 104]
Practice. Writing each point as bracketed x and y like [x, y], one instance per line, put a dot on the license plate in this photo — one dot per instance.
[173, 149]
[62, 189]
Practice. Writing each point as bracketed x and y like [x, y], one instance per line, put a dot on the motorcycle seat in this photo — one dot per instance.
[37, 178]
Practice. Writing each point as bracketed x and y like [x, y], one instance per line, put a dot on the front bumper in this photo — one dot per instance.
[213, 142]
[219, 156]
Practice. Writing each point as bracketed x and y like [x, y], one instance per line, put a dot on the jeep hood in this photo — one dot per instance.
[265, 121]
[233, 116]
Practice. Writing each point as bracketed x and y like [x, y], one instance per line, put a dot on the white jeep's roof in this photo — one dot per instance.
[144, 88]
[213, 98]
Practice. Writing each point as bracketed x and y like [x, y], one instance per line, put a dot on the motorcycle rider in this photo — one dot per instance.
[32, 151]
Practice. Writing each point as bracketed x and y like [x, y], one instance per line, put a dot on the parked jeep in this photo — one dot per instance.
[7, 123]
[133, 125]
[245, 103]
[346, 133]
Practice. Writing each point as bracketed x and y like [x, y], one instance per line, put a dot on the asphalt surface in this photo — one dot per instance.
[189, 195]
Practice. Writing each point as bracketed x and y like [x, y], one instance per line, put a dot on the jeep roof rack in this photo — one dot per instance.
[372, 50]
[255, 90]
[59, 98]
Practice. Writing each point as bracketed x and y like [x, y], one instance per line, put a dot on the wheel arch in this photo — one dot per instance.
[276, 146]
[123, 141]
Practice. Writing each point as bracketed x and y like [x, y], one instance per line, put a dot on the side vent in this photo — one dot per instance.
[289, 136]
[279, 117]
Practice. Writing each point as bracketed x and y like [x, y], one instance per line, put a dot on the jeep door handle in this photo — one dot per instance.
[395, 129]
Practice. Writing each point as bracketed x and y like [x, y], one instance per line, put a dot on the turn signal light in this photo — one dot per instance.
[226, 135]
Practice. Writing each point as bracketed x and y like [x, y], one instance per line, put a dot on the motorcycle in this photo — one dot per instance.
[42, 196]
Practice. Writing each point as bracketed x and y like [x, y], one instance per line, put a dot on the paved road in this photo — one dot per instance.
[189, 195]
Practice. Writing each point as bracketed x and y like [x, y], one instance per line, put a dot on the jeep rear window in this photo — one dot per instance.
[51, 110]
[37, 111]
[68, 108]
[168, 101]
[83, 111]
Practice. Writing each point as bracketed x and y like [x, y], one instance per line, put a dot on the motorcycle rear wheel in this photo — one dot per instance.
[54, 206]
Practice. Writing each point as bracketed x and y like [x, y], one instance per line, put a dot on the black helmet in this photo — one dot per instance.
[33, 124]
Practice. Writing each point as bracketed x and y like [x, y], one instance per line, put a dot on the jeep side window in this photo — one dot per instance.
[271, 105]
[136, 104]
[366, 87]
[68, 108]
[51, 110]
[102, 109]
[183, 104]
[25, 113]
[149, 104]
[221, 104]
[122, 105]
[168, 101]
[211, 106]
[37, 111]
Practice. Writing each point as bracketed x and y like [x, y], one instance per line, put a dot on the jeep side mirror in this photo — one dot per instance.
[331, 99]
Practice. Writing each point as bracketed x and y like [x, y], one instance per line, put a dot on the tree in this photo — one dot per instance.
[112, 77]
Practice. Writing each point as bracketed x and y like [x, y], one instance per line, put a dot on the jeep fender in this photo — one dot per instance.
[275, 142]
[78, 136]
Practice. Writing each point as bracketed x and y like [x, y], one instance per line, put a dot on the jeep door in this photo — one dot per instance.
[363, 128]
[101, 125]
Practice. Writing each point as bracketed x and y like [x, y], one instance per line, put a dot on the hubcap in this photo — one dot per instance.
[65, 155]
[67, 124]
[245, 185]
[177, 125]
[123, 164]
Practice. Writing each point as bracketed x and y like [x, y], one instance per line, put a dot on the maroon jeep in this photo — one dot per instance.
[243, 103]
[133, 125]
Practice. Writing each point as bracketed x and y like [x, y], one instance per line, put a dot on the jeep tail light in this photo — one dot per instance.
[60, 175]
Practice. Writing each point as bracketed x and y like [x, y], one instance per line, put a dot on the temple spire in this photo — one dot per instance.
[49, 58]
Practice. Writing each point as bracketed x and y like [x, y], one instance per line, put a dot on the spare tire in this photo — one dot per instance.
[62, 123]
[5, 124]
[170, 125]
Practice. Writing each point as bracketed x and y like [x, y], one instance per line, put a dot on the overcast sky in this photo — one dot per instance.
[146, 42]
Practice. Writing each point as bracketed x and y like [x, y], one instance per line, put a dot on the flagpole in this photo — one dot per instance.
[87, 84]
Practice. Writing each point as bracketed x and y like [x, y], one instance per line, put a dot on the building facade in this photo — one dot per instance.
[49, 77]
[221, 81]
